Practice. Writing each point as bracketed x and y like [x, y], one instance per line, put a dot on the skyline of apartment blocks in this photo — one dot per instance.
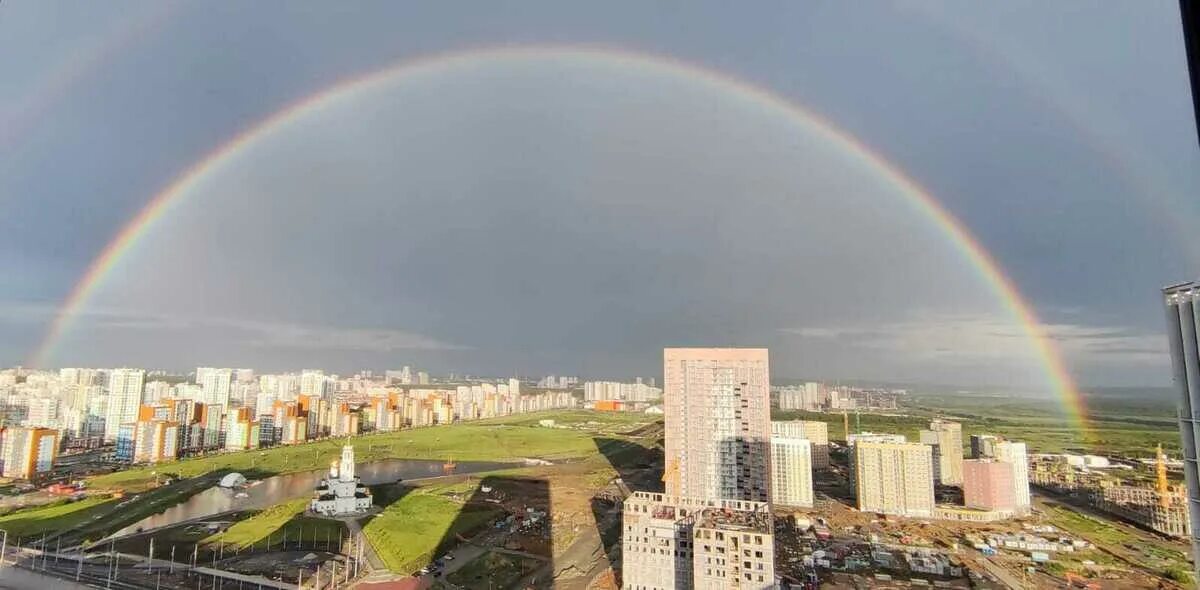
[791, 472]
[1017, 455]
[670, 543]
[613, 390]
[810, 397]
[124, 399]
[988, 485]
[811, 430]
[1182, 321]
[945, 437]
[716, 405]
[894, 478]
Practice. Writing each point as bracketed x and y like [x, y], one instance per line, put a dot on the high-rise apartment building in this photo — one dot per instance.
[894, 478]
[988, 485]
[791, 472]
[1182, 321]
[217, 384]
[983, 446]
[813, 431]
[124, 399]
[945, 438]
[670, 543]
[1015, 454]
[716, 405]
[26, 452]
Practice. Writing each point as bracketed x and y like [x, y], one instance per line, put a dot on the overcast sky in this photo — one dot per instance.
[556, 213]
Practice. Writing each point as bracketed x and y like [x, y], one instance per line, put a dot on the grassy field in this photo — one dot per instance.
[1114, 424]
[55, 518]
[279, 522]
[486, 440]
[409, 532]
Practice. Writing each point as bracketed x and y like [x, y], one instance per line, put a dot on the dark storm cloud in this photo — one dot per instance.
[531, 270]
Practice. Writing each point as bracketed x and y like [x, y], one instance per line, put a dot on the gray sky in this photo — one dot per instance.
[569, 215]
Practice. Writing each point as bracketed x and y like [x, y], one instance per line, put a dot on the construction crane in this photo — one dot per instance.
[1160, 467]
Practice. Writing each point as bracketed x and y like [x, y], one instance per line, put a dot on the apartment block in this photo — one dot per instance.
[670, 543]
[894, 478]
[717, 409]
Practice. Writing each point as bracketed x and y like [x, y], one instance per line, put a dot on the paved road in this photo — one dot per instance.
[376, 564]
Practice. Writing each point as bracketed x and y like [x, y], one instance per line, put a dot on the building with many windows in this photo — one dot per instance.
[717, 410]
[670, 542]
[894, 478]
[791, 472]
[26, 452]
[945, 439]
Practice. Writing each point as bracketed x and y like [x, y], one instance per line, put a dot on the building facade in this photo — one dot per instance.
[813, 431]
[26, 452]
[894, 478]
[717, 410]
[671, 543]
[1015, 454]
[946, 439]
[791, 472]
[1182, 321]
[988, 485]
[124, 399]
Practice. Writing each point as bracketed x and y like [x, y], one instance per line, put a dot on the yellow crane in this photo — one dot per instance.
[1160, 467]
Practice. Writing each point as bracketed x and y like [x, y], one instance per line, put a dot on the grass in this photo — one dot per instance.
[281, 521]
[1114, 426]
[408, 534]
[493, 570]
[486, 440]
[55, 518]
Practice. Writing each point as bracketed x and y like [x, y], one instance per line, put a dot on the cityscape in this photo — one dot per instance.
[708, 476]
[534, 295]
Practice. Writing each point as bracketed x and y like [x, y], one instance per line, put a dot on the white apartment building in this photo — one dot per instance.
[813, 431]
[791, 472]
[124, 397]
[894, 478]
[717, 410]
[1017, 455]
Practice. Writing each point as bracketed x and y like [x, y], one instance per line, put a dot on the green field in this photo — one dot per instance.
[54, 518]
[1115, 425]
[486, 440]
[408, 533]
[284, 521]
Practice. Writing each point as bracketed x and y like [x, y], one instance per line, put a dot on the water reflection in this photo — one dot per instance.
[273, 490]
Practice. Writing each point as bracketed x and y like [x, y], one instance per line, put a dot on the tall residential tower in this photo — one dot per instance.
[1183, 323]
[717, 410]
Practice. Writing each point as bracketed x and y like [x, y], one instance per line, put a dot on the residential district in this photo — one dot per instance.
[315, 480]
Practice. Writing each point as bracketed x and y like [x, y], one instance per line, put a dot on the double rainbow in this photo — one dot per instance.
[854, 149]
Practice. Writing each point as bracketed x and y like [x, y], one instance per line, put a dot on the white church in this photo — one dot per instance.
[341, 493]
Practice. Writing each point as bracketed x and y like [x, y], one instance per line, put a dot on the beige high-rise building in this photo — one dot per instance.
[894, 478]
[945, 438]
[791, 472]
[811, 430]
[717, 410]
[1015, 454]
[670, 542]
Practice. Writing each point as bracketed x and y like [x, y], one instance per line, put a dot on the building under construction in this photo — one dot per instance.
[1161, 507]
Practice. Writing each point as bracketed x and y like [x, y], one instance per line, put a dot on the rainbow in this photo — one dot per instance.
[952, 229]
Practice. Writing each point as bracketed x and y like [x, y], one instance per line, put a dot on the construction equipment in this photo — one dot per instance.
[1160, 467]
